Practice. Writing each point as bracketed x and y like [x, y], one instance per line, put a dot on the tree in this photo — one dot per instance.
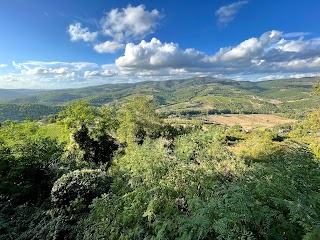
[77, 114]
[91, 128]
[98, 150]
[138, 120]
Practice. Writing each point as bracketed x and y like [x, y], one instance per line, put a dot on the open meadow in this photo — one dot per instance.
[250, 121]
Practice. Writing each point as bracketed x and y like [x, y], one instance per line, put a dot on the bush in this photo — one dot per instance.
[258, 149]
[79, 187]
[27, 169]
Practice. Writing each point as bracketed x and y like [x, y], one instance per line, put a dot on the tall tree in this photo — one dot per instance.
[77, 114]
[138, 120]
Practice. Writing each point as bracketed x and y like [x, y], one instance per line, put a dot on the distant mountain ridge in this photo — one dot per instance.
[188, 96]
[8, 93]
[168, 91]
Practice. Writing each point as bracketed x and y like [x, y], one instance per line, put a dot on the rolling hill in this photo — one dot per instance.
[193, 96]
[8, 93]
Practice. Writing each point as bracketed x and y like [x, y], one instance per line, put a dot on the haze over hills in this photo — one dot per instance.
[7, 93]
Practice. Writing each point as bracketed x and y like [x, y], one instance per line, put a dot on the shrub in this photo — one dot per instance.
[258, 149]
[26, 169]
[79, 187]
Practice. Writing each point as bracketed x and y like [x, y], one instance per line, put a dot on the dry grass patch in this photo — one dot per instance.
[250, 121]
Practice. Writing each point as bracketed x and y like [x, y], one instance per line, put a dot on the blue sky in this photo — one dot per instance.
[75, 43]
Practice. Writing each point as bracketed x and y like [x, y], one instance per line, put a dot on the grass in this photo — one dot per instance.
[249, 121]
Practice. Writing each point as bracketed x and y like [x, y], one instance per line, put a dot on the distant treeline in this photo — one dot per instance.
[20, 112]
[290, 97]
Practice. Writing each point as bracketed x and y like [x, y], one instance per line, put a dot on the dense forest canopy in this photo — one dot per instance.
[122, 172]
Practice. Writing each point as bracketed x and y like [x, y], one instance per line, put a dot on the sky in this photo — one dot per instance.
[75, 43]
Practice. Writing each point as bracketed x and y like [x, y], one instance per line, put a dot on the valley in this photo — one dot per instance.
[290, 98]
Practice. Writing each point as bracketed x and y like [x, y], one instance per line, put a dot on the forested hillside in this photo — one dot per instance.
[22, 111]
[174, 91]
[8, 93]
[124, 173]
[290, 97]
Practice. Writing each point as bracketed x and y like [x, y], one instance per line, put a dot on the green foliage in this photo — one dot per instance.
[97, 151]
[37, 223]
[138, 120]
[258, 148]
[135, 199]
[20, 222]
[78, 113]
[27, 168]
[107, 121]
[308, 131]
[19, 112]
[152, 188]
[317, 88]
[207, 196]
[312, 123]
[76, 190]
[171, 182]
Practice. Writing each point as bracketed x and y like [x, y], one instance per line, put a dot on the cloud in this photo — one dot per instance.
[285, 50]
[304, 75]
[45, 71]
[270, 56]
[227, 13]
[298, 65]
[293, 46]
[295, 34]
[129, 23]
[155, 55]
[266, 54]
[108, 47]
[93, 74]
[2, 65]
[286, 76]
[68, 75]
[36, 74]
[76, 65]
[119, 26]
[246, 50]
[78, 33]
[272, 77]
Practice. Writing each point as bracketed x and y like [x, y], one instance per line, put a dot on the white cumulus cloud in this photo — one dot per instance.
[101, 74]
[77, 33]
[294, 45]
[270, 56]
[155, 54]
[246, 50]
[227, 13]
[263, 55]
[117, 27]
[2, 65]
[45, 71]
[129, 23]
[108, 47]
[37, 74]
